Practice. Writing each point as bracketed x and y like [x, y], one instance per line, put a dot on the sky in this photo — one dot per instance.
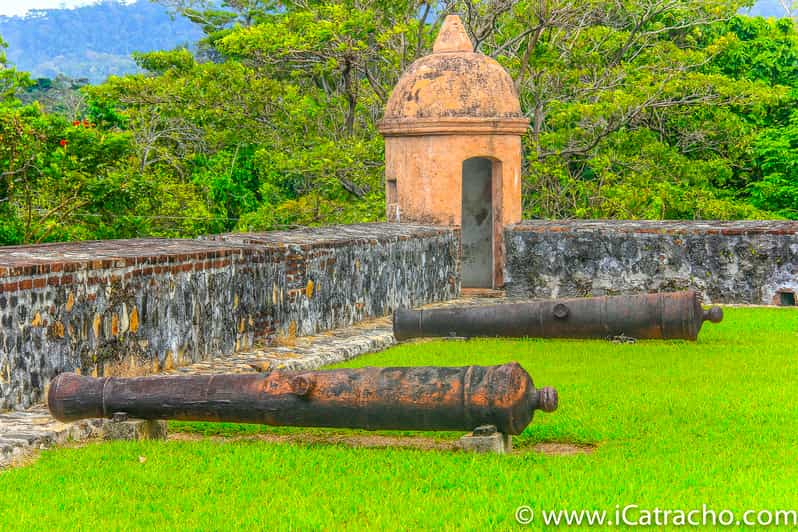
[20, 7]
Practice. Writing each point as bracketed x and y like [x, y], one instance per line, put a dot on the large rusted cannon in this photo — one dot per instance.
[647, 316]
[420, 398]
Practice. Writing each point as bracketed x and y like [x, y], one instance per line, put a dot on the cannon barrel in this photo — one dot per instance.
[402, 398]
[647, 316]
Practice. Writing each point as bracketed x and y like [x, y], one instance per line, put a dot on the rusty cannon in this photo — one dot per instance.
[647, 316]
[402, 398]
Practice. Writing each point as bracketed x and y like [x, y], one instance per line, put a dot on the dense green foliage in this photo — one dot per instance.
[639, 109]
[93, 41]
[676, 424]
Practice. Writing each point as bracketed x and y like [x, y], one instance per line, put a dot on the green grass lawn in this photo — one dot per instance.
[676, 425]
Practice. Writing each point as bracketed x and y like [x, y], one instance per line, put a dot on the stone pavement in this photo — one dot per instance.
[301, 353]
[24, 432]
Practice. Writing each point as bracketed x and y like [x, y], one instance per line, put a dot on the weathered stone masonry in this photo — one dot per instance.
[137, 306]
[729, 262]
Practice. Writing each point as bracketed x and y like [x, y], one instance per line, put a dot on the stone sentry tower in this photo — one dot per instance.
[452, 129]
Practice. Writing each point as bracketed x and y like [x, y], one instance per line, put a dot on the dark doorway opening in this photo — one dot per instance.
[477, 223]
[786, 299]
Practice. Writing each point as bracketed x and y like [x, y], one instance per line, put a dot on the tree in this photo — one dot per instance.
[593, 73]
[11, 81]
[638, 108]
[61, 95]
[790, 8]
[776, 158]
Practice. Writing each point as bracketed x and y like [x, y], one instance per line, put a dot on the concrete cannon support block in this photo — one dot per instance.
[122, 428]
[486, 439]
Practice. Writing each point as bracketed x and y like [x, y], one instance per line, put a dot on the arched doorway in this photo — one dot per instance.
[477, 259]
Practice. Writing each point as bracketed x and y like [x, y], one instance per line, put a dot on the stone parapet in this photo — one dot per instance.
[751, 262]
[133, 307]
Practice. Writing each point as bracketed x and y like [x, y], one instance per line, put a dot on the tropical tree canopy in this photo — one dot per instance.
[657, 109]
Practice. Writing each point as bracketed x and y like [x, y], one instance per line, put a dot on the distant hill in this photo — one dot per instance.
[92, 42]
[96, 41]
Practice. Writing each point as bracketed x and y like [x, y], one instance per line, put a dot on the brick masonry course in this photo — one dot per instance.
[133, 307]
[750, 262]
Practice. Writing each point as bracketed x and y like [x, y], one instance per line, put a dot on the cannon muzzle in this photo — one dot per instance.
[647, 316]
[402, 398]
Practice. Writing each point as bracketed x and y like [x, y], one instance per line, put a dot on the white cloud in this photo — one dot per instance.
[20, 7]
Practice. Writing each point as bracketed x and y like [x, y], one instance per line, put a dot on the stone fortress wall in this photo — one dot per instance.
[132, 307]
[752, 262]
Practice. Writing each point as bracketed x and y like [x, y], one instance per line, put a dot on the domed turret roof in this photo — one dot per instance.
[454, 90]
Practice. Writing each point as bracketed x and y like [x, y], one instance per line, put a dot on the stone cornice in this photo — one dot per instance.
[403, 127]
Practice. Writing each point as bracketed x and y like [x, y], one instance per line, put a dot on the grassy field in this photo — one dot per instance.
[676, 425]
